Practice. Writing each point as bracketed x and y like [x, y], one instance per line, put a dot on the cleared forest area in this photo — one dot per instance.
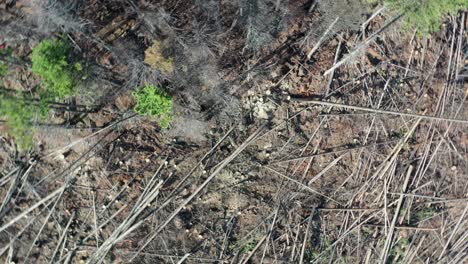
[244, 131]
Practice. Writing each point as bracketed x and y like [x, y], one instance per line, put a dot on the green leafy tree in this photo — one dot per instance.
[426, 15]
[51, 60]
[154, 102]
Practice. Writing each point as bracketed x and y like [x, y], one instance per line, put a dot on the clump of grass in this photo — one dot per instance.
[426, 15]
[51, 60]
[154, 102]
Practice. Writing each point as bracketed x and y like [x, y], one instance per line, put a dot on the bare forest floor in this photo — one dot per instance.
[257, 167]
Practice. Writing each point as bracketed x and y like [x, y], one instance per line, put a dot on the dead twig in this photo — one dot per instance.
[380, 111]
[414, 228]
[388, 241]
[325, 34]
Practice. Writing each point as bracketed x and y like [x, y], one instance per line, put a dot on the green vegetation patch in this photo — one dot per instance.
[154, 102]
[3, 69]
[426, 15]
[399, 250]
[19, 115]
[248, 247]
[51, 61]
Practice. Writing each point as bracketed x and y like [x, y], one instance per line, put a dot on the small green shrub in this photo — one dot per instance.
[316, 250]
[424, 214]
[19, 112]
[51, 61]
[398, 250]
[3, 69]
[426, 15]
[154, 102]
[19, 116]
[6, 51]
[248, 247]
